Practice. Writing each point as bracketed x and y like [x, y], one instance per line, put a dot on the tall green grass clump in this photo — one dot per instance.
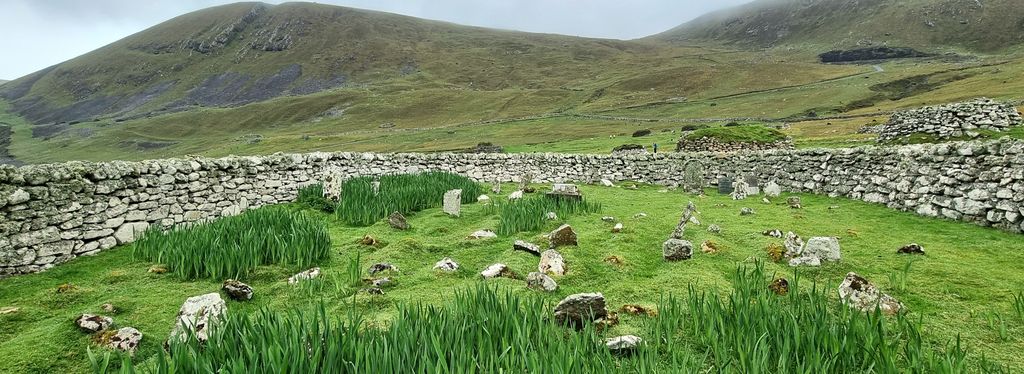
[405, 193]
[232, 247]
[530, 214]
[313, 197]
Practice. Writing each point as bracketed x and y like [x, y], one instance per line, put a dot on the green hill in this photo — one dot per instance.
[940, 25]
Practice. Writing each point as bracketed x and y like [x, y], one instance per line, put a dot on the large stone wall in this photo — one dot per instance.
[54, 213]
[951, 120]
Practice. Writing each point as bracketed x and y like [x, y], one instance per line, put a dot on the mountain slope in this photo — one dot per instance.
[972, 25]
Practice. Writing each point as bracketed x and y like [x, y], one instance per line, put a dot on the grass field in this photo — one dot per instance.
[964, 286]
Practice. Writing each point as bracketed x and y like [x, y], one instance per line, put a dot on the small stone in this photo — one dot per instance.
[709, 247]
[373, 291]
[446, 265]
[779, 286]
[607, 183]
[794, 202]
[694, 221]
[109, 308]
[497, 270]
[617, 228]
[381, 282]
[775, 233]
[794, 245]
[66, 288]
[541, 281]
[911, 249]
[92, 323]
[608, 219]
[579, 309]
[483, 199]
[551, 216]
[126, 339]
[482, 234]
[305, 275]
[775, 252]
[860, 294]
[640, 215]
[562, 236]
[197, 316]
[551, 262]
[527, 247]
[516, 195]
[17, 197]
[237, 291]
[765, 201]
[714, 229]
[746, 212]
[623, 345]
[637, 310]
[9, 310]
[158, 269]
[677, 250]
[382, 267]
[368, 240]
[398, 221]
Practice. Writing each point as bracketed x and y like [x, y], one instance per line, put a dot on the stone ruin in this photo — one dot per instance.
[952, 120]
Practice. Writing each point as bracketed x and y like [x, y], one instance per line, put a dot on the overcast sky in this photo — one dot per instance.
[40, 33]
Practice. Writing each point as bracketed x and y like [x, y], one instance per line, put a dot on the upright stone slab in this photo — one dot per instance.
[753, 187]
[562, 190]
[453, 202]
[725, 186]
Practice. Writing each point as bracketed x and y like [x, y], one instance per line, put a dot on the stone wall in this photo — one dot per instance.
[54, 213]
[951, 120]
[707, 144]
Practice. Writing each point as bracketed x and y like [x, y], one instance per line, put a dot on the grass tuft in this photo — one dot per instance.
[405, 193]
[530, 214]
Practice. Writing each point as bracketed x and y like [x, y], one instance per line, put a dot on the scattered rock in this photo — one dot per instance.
[562, 190]
[197, 316]
[617, 228]
[794, 245]
[551, 262]
[397, 221]
[677, 249]
[516, 195]
[305, 275]
[765, 201]
[527, 247]
[775, 233]
[709, 247]
[714, 229]
[541, 281]
[637, 310]
[551, 216]
[608, 219]
[382, 267]
[640, 215]
[237, 291]
[452, 203]
[578, 309]
[158, 269]
[772, 189]
[860, 294]
[109, 308]
[780, 286]
[92, 323]
[746, 212]
[368, 240]
[483, 199]
[693, 220]
[126, 339]
[794, 202]
[911, 249]
[482, 234]
[373, 290]
[623, 345]
[607, 183]
[562, 236]
[446, 265]
[497, 270]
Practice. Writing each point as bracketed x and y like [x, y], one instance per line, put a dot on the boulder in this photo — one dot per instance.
[382, 267]
[126, 339]
[497, 270]
[714, 229]
[305, 275]
[825, 248]
[527, 247]
[860, 294]
[551, 262]
[452, 203]
[578, 309]
[92, 323]
[794, 202]
[911, 249]
[746, 212]
[446, 265]
[398, 221]
[623, 345]
[482, 234]
[237, 291]
[562, 236]
[677, 249]
[541, 281]
[197, 316]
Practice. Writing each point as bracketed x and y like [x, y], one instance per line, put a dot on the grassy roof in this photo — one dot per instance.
[744, 134]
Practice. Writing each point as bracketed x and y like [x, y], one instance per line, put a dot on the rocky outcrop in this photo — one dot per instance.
[951, 120]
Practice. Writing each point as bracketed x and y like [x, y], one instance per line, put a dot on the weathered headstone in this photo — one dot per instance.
[694, 175]
[725, 185]
[453, 202]
[677, 249]
[739, 190]
[551, 262]
[753, 186]
[398, 221]
[772, 189]
[562, 236]
[497, 270]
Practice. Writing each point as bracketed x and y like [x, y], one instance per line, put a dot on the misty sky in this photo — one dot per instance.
[40, 33]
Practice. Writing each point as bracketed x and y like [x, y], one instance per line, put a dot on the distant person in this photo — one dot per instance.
[655, 147]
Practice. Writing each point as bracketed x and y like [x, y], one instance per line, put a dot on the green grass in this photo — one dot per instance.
[530, 213]
[233, 247]
[969, 272]
[361, 204]
[741, 134]
[313, 197]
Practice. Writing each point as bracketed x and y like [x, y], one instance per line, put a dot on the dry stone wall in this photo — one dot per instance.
[714, 145]
[951, 120]
[54, 213]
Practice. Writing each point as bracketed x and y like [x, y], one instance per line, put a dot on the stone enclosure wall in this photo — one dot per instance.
[951, 120]
[707, 144]
[54, 213]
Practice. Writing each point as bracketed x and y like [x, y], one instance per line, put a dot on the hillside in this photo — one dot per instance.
[935, 25]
